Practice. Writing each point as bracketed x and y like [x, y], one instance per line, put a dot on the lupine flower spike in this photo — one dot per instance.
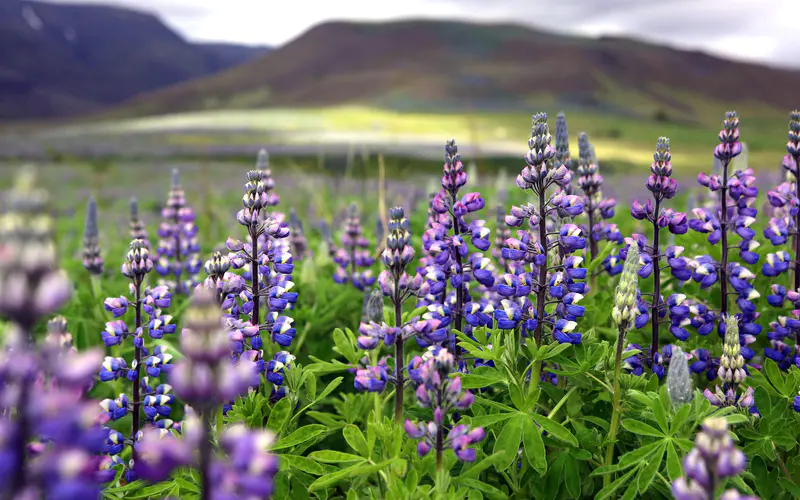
[149, 397]
[396, 284]
[596, 207]
[206, 378]
[446, 242]
[137, 225]
[733, 213]
[679, 381]
[547, 270]
[783, 228]
[353, 257]
[732, 372]
[297, 238]
[32, 288]
[713, 459]
[442, 395]
[256, 301]
[176, 257]
[92, 259]
[662, 187]
[624, 314]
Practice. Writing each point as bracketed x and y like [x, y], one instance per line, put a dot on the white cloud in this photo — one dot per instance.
[754, 30]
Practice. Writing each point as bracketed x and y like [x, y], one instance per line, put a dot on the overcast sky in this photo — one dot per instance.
[764, 31]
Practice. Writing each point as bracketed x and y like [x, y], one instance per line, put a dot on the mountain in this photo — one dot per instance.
[61, 59]
[231, 54]
[460, 66]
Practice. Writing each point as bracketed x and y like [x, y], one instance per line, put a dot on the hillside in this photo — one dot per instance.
[467, 67]
[60, 60]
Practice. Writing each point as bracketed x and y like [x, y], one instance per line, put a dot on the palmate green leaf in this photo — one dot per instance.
[775, 378]
[639, 454]
[609, 490]
[490, 490]
[356, 440]
[674, 468]
[508, 440]
[344, 346]
[605, 252]
[660, 414]
[680, 418]
[332, 479]
[555, 429]
[572, 478]
[648, 472]
[479, 381]
[480, 465]
[534, 446]
[552, 352]
[304, 464]
[491, 418]
[641, 428]
[299, 436]
[279, 415]
[334, 457]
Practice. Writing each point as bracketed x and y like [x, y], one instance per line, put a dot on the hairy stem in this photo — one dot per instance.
[205, 458]
[615, 408]
[439, 447]
[458, 313]
[723, 222]
[137, 356]
[398, 358]
[654, 306]
[256, 286]
[541, 290]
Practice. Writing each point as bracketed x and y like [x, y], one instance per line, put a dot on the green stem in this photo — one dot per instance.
[560, 403]
[220, 424]
[612, 434]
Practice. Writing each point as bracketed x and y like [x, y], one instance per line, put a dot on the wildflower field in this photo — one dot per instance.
[532, 338]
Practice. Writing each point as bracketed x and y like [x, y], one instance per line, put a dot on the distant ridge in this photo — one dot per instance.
[452, 65]
[59, 59]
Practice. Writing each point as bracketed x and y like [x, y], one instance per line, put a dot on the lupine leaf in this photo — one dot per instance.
[301, 435]
[648, 472]
[534, 446]
[334, 457]
[508, 441]
[356, 440]
[641, 428]
[555, 429]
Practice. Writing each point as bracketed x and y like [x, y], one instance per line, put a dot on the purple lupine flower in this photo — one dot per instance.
[149, 363]
[785, 200]
[732, 212]
[442, 394]
[256, 301]
[297, 237]
[446, 244]
[92, 259]
[554, 275]
[731, 372]
[595, 206]
[713, 459]
[206, 378]
[353, 257]
[137, 226]
[31, 288]
[176, 257]
[662, 187]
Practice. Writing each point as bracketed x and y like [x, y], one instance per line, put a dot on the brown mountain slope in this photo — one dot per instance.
[444, 65]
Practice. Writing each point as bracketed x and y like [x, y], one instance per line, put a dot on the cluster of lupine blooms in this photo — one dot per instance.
[150, 396]
[45, 452]
[257, 300]
[206, 380]
[783, 227]
[352, 257]
[713, 459]
[177, 259]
